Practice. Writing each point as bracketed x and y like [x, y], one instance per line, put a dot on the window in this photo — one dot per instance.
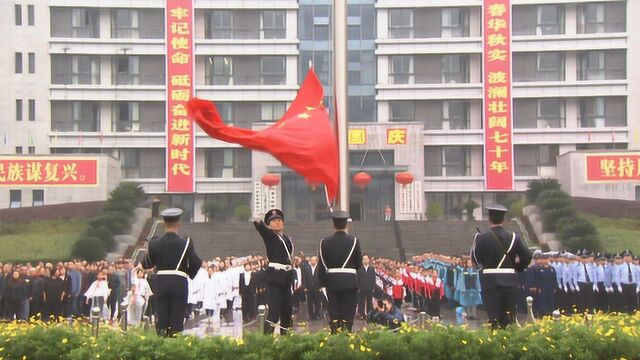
[602, 17]
[528, 158]
[272, 70]
[220, 70]
[550, 20]
[127, 116]
[456, 113]
[38, 197]
[18, 14]
[32, 63]
[550, 66]
[314, 22]
[272, 111]
[447, 161]
[400, 23]
[76, 69]
[321, 64]
[125, 24]
[228, 163]
[18, 149]
[84, 23]
[142, 163]
[455, 69]
[15, 198]
[401, 70]
[550, 113]
[85, 116]
[31, 150]
[18, 63]
[455, 22]
[273, 24]
[601, 65]
[401, 111]
[602, 112]
[362, 108]
[32, 110]
[127, 70]
[219, 25]
[18, 109]
[31, 16]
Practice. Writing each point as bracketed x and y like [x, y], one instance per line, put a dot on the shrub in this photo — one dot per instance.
[470, 206]
[551, 217]
[572, 231]
[535, 187]
[434, 211]
[515, 209]
[589, 242]
[242, 213]
[90, 248]
[211, 208]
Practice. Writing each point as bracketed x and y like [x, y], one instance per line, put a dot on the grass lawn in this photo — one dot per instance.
[617, 235]
[42, 240]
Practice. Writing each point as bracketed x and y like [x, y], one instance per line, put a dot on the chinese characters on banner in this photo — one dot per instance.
[498, 146]
[357, 136]
[48, 172]
[180, 132]
[396, 136]
[613, 167]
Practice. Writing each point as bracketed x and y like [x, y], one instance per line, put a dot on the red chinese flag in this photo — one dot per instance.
[303, 139]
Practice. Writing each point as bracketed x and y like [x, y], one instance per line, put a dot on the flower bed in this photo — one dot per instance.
[606, 337]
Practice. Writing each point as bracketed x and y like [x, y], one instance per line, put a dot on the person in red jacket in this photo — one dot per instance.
[397, 290]
[435, 292]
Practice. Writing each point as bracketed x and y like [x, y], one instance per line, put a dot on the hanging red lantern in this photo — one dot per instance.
[362, 180]
[313, 186]
[404, 178]
[270, 180]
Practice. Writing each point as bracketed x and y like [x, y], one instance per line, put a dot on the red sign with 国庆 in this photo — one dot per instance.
[498, 145]
[38, 171]
[180, 132]
[613, 167]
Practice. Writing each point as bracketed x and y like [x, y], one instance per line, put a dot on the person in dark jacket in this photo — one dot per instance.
[16, 294]
[386, 314]
[53, 292]
[248, 293]
[340, 257]
[311, 284]
[36, 306]
[279, 275]
[499, 255]
[366, 285]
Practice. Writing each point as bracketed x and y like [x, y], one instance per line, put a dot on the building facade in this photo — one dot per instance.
[88, 77]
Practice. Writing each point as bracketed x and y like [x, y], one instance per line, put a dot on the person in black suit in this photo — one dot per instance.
[366, 285]
[499, 255]
[340, 257]
[175, 260]
[279, 275]
[311, 284]
[248, 293]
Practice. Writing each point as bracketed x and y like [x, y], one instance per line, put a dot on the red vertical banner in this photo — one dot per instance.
[180, 129]
[498, 136]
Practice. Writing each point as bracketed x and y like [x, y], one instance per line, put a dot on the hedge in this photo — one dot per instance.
[605, 337]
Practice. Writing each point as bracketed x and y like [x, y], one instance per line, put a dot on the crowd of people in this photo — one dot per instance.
[231, 289]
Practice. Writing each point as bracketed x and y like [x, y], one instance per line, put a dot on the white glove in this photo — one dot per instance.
[610, 289]
[637, 289]
[565, 289]
[619, 289]
[595, 288]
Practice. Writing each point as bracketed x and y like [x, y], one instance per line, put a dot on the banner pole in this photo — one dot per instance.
[340, 97]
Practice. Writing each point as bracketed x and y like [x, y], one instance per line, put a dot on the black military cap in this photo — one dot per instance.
[627, 253]
[497, 208]
[617, 256]
[537, 255]
[273, 214]
[340, 218]
[171, 215]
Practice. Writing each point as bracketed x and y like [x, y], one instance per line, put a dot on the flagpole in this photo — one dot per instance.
[340, 97]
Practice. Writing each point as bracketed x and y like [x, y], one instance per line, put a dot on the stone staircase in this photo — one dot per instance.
[442, 237]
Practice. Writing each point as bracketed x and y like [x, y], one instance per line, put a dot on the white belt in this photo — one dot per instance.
[498, 271]
[280, 266]
[342, 271]
[173, 272]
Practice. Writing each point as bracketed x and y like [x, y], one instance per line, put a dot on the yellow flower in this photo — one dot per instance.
[362, 348]
[239, 342]
[524, 348]
[24, 357]
[352, 346]
[464, 342]
[609, 333]
[321, 343]
[64, 341]
[142, 337]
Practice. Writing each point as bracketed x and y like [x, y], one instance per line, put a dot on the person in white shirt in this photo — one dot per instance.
[98, 293]
[143, 288]
[135, 304]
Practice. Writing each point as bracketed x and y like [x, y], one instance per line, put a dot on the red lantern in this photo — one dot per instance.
[271, 180]
[404, 178]
[362, 180]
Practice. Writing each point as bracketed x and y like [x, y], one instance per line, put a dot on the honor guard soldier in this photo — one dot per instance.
[340, 257]
[279, 275]
[495, 253]
[176, 261]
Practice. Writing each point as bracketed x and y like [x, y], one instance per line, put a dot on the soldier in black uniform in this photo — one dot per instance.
[499, 255]
[175, 260]
[340, 257]
[279, 274]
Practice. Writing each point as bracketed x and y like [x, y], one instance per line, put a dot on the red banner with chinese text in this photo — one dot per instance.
[38, 171]
[498, 137]
[180, 133]
[613, 167]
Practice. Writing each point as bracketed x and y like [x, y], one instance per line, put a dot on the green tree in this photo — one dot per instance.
[212, 208]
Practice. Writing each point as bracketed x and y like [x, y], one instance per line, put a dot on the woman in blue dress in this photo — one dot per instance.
[468, 289]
